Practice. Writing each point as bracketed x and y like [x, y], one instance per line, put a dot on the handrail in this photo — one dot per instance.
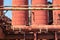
[30, 5]
[29, 8]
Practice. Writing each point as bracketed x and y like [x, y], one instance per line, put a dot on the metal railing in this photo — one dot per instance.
[29, 8]
[33, 7]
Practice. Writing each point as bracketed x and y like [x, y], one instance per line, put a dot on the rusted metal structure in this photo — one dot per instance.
[56, 13]
[17, 29]
[19, 17]
[40, 16]
[1, 13]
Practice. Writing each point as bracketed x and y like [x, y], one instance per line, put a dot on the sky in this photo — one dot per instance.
[9, 3]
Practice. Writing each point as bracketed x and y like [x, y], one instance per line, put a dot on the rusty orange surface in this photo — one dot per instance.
[39, 17]
[36, 27]
[19, 17]
[1, 2]
[1, 12]
[56, 13]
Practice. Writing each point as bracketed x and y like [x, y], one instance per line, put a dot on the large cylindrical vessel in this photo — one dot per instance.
[1, 13]
[19, 17]
[56, 13]
[39, 16]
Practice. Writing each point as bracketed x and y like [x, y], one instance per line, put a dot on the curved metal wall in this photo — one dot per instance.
[56, 13]
[19, 17]
[39, 16]
[1, 4]
[1, 13]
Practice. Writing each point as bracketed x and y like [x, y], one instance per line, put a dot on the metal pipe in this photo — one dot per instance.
[38, 27]
[29, 5]
[35, 36]
[29, 8]
[56, 37]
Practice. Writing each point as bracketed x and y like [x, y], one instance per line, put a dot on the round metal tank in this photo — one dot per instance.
[56, 13]
[39, 16]
[1, 13]
[19, 17]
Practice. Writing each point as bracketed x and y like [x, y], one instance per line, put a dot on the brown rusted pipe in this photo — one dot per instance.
[29, 8]
[37, 27]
